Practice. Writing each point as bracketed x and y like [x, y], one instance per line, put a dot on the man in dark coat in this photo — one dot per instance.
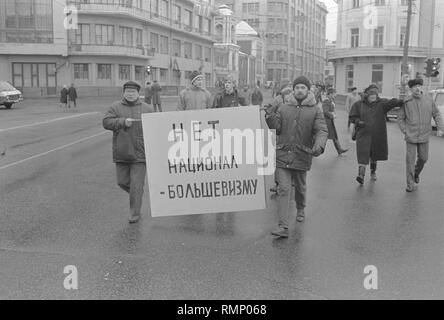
[328, 106]
[303, 135]
[257, 99]
[148, 93]
[64, 97]
[369, 117]
[124, 119]
[157, 103]
[72, 96]
[229, 97]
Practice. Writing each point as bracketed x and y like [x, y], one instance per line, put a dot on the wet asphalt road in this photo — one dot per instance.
[62, 207]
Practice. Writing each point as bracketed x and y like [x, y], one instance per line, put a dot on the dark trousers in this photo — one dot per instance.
[131, 178]
[415, 165]
[156, 106]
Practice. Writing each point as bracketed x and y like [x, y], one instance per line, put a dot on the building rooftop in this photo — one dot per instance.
[244, 29]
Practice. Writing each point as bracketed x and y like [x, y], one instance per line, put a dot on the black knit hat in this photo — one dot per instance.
[416, 82]
[194, 75]
[131, 85]
[302, 80]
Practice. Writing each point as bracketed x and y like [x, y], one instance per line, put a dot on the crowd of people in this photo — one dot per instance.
[303, 116]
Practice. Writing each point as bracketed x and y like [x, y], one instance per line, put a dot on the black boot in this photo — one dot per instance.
[361, 175]
[373, 167]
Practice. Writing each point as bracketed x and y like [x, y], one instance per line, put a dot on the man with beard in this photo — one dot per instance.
[414, 121]
[195, 97]
[124, 119]
[303, 134]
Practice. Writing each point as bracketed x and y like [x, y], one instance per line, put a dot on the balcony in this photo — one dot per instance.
[111, 50]
[95, 7]
[392, 51]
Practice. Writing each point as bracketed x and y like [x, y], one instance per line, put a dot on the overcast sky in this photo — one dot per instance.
[331, 19]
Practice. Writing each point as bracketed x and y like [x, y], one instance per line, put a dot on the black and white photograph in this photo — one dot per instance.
[221, 150]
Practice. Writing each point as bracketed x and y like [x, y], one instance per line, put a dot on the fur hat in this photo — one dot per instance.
[302, 80]
[194, 75]
[416, 82]
[372, 89]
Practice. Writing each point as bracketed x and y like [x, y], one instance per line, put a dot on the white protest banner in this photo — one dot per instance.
[206, 161]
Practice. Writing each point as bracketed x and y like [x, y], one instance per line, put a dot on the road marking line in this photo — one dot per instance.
[48, 121]
[53, 150]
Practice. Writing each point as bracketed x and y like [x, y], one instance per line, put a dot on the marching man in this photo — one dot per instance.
[415, 120]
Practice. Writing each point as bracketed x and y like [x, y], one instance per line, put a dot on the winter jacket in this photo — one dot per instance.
[64, 95]
[350, 101]
[114, 120]
[257, 98]
[298, 125]
[415, 118]
[194, 98]
[148, 94]
[72, 94]
[224, 100]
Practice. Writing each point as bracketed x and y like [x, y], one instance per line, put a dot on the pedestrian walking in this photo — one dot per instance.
[303, 134]
[72, 96]
[285, 91]
[195, 96]
[328, 106]
[229, 97]
[157, 102]
[148, 93]
[124, 119]
[369, 117]
[414, 120]
[257, 99]
[64, 97]
[351, 99]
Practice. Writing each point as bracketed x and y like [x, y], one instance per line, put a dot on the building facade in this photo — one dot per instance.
[103, 44]
[294, 32]
[371, 50]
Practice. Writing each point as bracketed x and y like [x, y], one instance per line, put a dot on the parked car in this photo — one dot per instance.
[9, 95]
[438, 96]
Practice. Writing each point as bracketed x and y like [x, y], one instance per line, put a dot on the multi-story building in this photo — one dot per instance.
[371, 37]
[294, 32]
[104, 43]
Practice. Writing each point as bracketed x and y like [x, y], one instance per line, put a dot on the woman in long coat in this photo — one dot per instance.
[369, 117]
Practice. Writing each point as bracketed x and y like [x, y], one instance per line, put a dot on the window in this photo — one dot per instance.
[140, 73]
[176, 48]
[349, 75]
[164, 9]
[164, 47]
[81, 71]
[104, 71]
[270, 55]
[163, 75]
[355, 3]
[378, 75]
[207, 54]
[154, 42]
[124, 72]
[378, 40]
[355, 37]
[402, 36]
[188, 48]
[82, 34]
[188, 18]
[379, 2]
[139, 37]
[176, 14]
[126, 36]
[270, 75]
[198, 51]
[207, 78]
[198, 23]
[104, 34]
